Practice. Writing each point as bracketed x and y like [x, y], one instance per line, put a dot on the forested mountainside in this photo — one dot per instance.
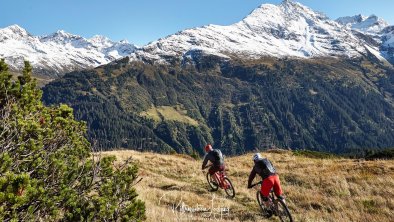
[284, 76]
[327, 104]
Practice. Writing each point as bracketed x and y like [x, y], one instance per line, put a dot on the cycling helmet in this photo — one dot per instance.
[257, 156]
[208, 148]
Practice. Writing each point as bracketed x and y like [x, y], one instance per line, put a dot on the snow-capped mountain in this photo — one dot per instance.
[59, 52]
[373, 28]
[286, 30]
[369, 25]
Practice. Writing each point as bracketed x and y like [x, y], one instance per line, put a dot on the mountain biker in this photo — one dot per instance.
[264, 168]
[216, 158]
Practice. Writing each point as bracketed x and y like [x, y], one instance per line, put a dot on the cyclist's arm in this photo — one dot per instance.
[204, 163]
[252, 175]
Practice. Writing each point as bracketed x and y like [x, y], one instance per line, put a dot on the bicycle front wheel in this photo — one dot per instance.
[212, 182]
[264, 210]
[229, 188]
[283, 211]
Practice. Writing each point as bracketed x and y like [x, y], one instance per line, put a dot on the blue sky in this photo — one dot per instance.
[142, 21]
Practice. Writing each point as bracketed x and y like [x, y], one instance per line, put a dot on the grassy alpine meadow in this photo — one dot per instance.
[317, 189]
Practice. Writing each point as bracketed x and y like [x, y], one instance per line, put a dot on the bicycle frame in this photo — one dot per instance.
[219, 177]
[220, 180]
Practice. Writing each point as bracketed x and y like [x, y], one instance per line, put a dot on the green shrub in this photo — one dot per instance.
[379, 154]
[48, 171]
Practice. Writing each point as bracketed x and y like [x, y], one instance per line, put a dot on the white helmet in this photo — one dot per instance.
[257, 156]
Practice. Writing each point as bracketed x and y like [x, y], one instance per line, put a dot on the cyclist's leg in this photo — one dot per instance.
[266, 187]
[222, 167]
[221, 170]
[277, 187]
[212, 170]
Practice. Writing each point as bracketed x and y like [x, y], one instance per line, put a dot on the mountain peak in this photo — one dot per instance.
[61, 36]
[16, 27]
[286, 11]
[289, 3]
[375, 18]
[290, 6]
[370, 25]
[15, 30]
[58, 52]
[62, 33]
[289, 29]
[99, 39]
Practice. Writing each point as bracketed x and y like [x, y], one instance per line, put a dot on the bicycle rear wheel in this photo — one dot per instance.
[264, 210]
[212, 182]
[229, 188]
[283, 211]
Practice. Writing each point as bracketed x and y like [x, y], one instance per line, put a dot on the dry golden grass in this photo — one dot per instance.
[316, 189]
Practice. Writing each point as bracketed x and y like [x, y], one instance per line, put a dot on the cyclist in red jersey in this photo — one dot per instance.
[215, 156]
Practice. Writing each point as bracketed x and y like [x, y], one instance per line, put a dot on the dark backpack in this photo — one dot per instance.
[264, 168]
[218, 157]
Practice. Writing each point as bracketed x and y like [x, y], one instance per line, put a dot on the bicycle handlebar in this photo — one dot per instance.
[253, 185]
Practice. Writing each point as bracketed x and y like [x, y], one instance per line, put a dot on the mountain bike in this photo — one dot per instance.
[219, 179]
[277, 206]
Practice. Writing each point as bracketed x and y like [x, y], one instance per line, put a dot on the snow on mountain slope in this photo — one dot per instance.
[375, 28]
[285, 30]
[59, 52]
[368, 25]
[288, 29]
[388, 36]
[387, 46]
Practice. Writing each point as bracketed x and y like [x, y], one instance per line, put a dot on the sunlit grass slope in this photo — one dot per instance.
[175, 189]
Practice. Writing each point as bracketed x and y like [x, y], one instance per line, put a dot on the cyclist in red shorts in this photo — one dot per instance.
[264, 168]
